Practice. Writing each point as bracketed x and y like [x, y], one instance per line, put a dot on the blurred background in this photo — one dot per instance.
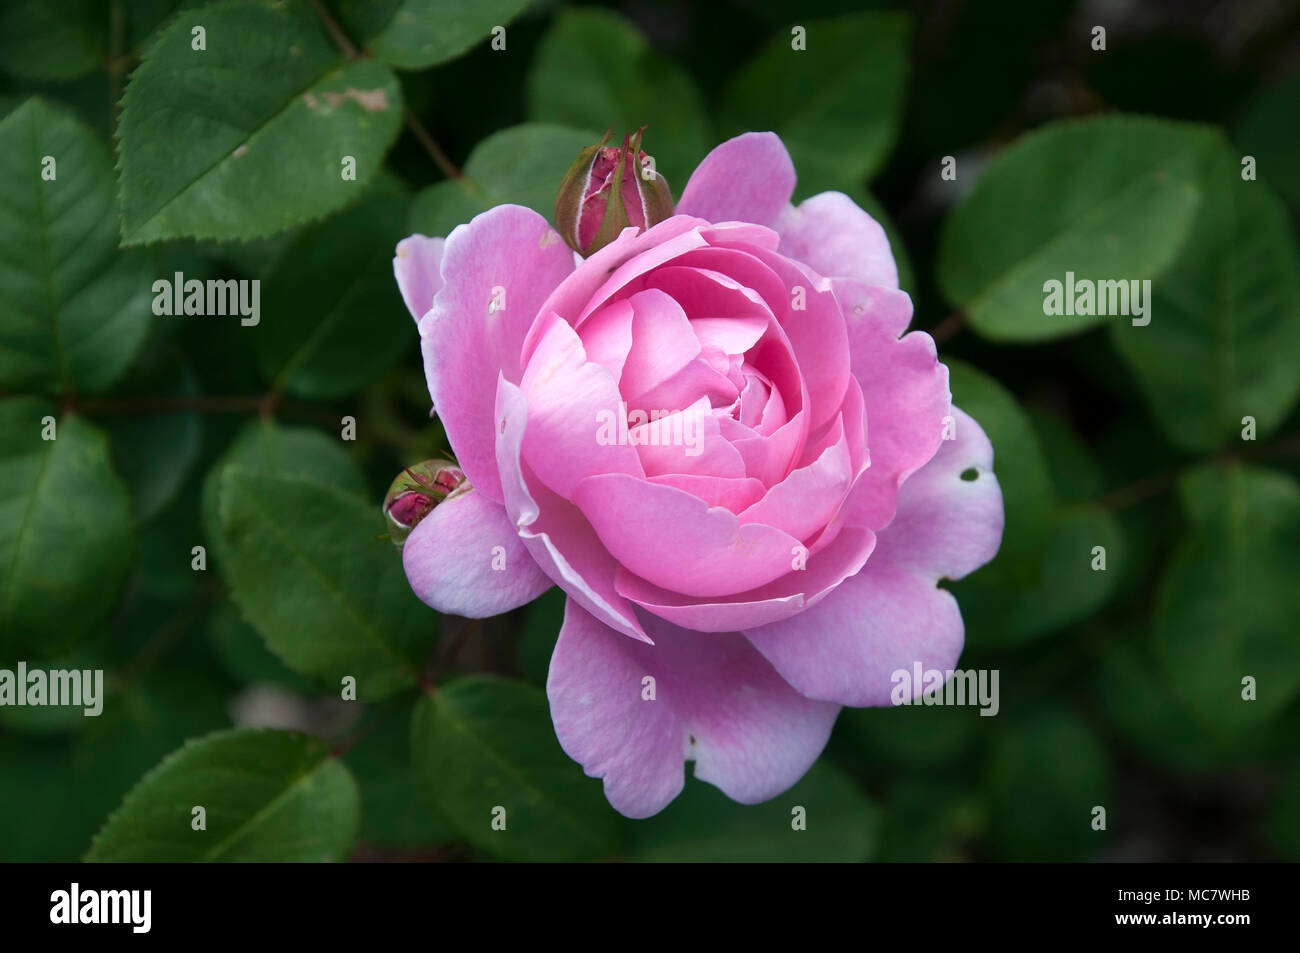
[1112, 690]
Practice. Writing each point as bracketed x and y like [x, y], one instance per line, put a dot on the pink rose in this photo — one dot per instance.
[766, 556]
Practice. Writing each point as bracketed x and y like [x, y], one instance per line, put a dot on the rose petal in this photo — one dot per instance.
[767, 457]
[723, 312]
[733, 493]
[465, 558]
[607, 336]
[715, 701]
[791, 594]
[571, 296]
[804, 501]
[662, 344]
[556, 534]
[831, 235]
[742, 234]
[417, 266]
[904, 389]
[892, 614]
[703, 450]
[698, 378]
[571, 401]
[742, 267]
[628, 277]
[467, 340]
[948, 526]
[746, 179]
[706, 552]
[815, 325]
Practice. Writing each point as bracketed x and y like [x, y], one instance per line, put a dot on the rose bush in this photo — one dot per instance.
[763, 536]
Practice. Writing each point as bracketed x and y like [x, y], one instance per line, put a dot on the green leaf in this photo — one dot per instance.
[163, 569]
[1283, 822]
[329, 598]
[268, 796]
[1067, 591]
[1047, 774]
[75, 309]
[703, 825]
[143, 721]
[332, 319]
[1228, 602]
[243, 654]
[143, 17]
[1075, 475]
[483, 742]
[65, 531]
[1050, 587]
[927, 821]
[1220, 317]
[52, 720]
[442, 206]
[265, 446]
[522, 165]
[396, 813]
[835, 104]
[248, 136]
[61, 41]
[1268, 131]
[155, 452]
[44, 811]
[52, 41]
[421, 33]
[1020, 468]
[595, 70]
[914, 735]
[56, 795]
[1109, 198]
[1131, 691]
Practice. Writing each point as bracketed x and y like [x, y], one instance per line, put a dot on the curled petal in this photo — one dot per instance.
[417, 266]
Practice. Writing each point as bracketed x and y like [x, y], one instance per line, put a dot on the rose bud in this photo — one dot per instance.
[416, 491]
[608, 189]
